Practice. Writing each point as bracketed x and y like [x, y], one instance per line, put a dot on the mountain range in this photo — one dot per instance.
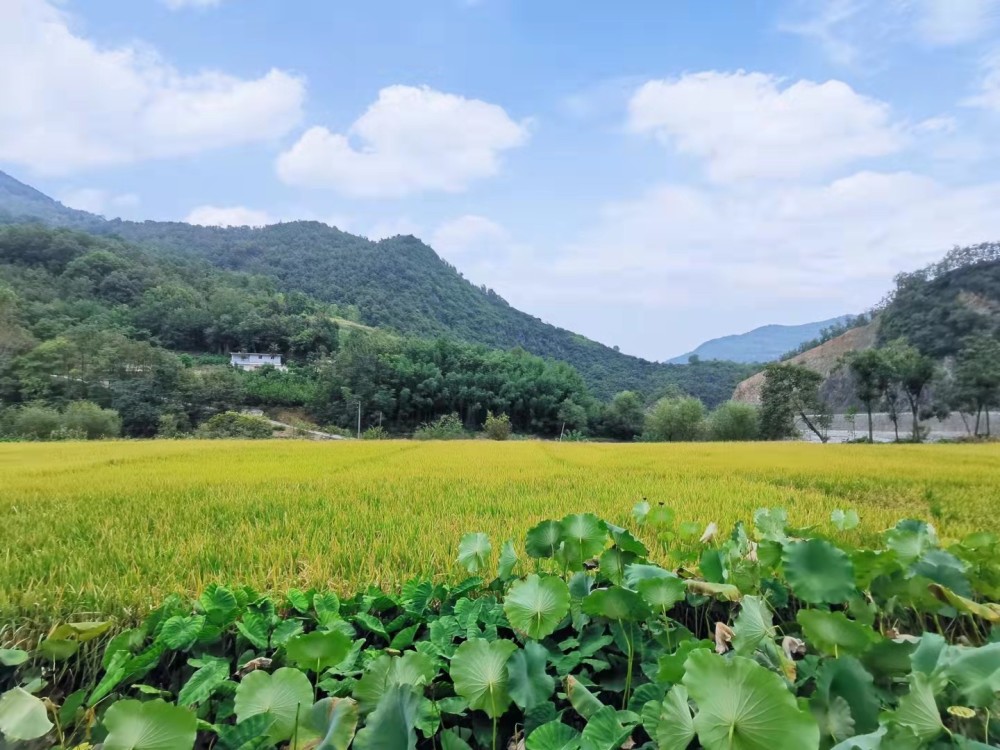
[399, 284]
[764, 344]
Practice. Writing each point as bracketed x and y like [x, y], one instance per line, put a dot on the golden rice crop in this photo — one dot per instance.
[114, 527]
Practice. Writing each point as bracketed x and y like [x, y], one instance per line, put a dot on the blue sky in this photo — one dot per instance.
[649, 173]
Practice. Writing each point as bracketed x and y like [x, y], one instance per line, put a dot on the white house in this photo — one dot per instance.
[254, 361]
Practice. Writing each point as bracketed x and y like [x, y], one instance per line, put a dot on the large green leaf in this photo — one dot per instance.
[13, 657]
[584, 536]
[846, 678]
[391, 726]
[543, 540]
[743, 706]
[834, 634]
[281, 696]
[616, 603]
[508, 560]
[583, 701]
[604, 731]
[412, 668]
[535, 605]
[331, 722]
[553, 736]
[154, 725]
[976, 673]
[818, 572]
[318, 651]
[204, 682]
[22, 716]
[753, 625]
[529, 684]
[180, 633]
[918, 709]
[674, 725]
[479, 672]
[474, 552]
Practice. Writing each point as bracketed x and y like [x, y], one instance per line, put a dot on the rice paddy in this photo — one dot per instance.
[112, 528]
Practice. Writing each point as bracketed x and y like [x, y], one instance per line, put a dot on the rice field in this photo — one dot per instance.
[112, 528]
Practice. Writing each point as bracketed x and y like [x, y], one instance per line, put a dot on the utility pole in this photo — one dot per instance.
[359, 419]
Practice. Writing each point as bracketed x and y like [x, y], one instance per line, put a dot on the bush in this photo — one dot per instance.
[36, 422]
[91, 421]
[735, 421]
[447, 427]
[375, 433]
[675, 419]
[232, 424]
[497, 427]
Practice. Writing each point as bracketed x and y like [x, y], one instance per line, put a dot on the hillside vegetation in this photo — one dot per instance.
[399, 284]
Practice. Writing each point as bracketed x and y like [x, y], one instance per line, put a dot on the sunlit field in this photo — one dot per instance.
[112, 528]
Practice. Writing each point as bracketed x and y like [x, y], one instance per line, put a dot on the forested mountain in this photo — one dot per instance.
[90, 323]
[764, 344]
[937, 307]
[399, 284]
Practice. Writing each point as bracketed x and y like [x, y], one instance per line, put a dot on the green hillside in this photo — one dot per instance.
[398, 284]
[937, 307]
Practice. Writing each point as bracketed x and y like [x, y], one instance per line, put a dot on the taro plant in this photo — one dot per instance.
[585, 638]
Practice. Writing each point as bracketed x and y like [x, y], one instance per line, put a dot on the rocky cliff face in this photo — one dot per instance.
[823, 359]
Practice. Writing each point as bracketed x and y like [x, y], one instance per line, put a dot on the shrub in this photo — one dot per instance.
[232, 424]
[36, 422]
[675, 419]
[497, 427]
[735, 421]
[91, 421]
[375, 433]
[446, 427]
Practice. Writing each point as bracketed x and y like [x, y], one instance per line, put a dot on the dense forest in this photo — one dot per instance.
[938, 307]
[96, 319]
[398, 284]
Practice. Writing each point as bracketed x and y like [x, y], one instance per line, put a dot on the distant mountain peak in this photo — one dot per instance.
[764, 344]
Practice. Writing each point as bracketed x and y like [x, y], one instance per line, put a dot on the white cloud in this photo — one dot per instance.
[410, 140]
[989, 86]
[99, 201]
[844, 239]
[950, 22]
[180, 4]
[751, 126]
[470, 235]
[69, 104]
[229, 216]
[852, 32]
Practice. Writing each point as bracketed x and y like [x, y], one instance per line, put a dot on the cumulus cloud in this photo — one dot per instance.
[752, 125]
[229, 216]
[410, 140]
[69, 104]
[99, 201]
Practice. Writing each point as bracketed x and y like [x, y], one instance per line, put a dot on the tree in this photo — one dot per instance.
[674, 420]
[791, 391]
[497, 427]
[868, 369]
[232, 424]
[571, 415]
[91, 420]
[624, 417]
[914, 372]
[977, 376]
[735, 421]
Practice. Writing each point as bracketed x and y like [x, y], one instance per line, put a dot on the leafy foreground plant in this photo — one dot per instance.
[767, 639]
